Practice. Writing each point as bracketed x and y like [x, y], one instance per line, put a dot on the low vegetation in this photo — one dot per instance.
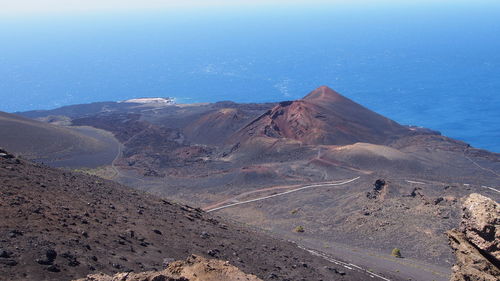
[105, 172]
[396, 253]
[299, 229]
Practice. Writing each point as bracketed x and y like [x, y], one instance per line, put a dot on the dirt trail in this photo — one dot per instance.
[208, 210]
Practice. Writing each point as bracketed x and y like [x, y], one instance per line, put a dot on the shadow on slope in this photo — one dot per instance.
[59, 146]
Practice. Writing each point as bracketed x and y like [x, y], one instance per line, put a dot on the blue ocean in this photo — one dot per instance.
[431, 65]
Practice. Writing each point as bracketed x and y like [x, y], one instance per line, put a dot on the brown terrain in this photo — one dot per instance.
[57, 145]
[477, 241]
[58, 225]
[322, 117]
[195, 268]
[273, 167]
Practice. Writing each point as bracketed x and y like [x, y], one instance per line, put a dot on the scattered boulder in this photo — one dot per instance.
[476, 242]
[53, 268]
[5, 154]
[72, 261]
[336, 271]
[204, 235]
[213, 252]
[438, 200]
[272, 276]
[167, 262]
[48, 259]
[153, 173]
[15, 233]
[414, 193]
[4, 254]
[378, 187]
[51, 254]
[8, 262]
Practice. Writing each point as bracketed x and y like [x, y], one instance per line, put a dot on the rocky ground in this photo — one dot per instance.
[57, 225]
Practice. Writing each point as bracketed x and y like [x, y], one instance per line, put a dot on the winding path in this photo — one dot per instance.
[281, 194]
[479, 166]
[113, 165]
[349, 266]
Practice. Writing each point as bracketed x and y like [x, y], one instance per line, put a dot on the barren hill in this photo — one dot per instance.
[57, 225]
[322, 117]
[49, 143]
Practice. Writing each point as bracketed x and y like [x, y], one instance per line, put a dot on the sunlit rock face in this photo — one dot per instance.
[476, 242]
[195, 268]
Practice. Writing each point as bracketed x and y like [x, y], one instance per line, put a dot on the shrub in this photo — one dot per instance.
[396, 253]
[299, 229]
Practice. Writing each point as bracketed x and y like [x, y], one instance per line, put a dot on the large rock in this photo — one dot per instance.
[476, 243]
[481, 223]
[195, 268]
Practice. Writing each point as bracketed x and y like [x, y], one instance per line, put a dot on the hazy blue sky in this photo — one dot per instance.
[20, 7]
[14, 8]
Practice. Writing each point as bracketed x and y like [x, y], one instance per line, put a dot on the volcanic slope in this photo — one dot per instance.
[323, 117]
[216, 154]
[50, 143]
[57, 225]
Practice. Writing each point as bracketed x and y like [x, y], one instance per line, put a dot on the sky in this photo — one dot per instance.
[22, 8]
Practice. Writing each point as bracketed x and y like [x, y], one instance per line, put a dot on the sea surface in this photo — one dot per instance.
[431, 65]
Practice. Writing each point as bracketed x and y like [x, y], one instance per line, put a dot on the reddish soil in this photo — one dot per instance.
[322, 117]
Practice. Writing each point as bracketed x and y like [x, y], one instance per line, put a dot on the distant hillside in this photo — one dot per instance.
[76, 110]
[55, 144]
